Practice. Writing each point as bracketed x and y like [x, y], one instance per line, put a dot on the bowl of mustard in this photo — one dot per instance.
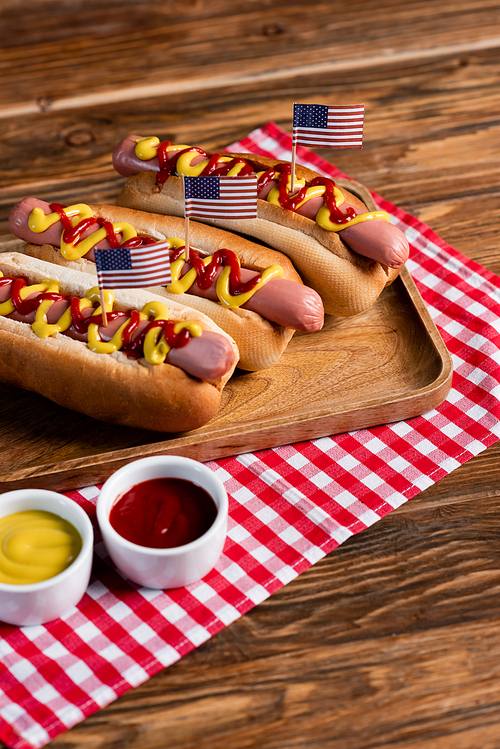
[46, 547]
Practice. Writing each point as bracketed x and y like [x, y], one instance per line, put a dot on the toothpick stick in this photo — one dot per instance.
[292, 183]
[186, 248]
[103, 307]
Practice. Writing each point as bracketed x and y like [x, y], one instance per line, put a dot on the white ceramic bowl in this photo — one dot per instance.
[38, 603]
[164, 568]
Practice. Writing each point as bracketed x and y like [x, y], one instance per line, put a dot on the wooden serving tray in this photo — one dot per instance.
[383, 365]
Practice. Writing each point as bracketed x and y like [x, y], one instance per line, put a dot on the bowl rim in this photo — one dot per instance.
[103, 515]
[87, 539]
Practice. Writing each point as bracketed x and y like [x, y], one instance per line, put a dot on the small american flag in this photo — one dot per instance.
[220, 197]
[127, 267]
[323, 126]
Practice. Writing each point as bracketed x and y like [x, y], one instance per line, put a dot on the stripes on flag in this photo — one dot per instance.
[134, 267]
[221, 197]
[323, 126]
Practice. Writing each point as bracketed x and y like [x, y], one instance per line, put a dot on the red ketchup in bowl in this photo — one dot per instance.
[163, 513]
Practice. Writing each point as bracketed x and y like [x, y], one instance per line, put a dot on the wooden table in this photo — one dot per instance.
[393, 639]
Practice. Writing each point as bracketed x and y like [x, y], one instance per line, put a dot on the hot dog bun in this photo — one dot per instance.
[347, 281]
[108, 387]
[260, 342]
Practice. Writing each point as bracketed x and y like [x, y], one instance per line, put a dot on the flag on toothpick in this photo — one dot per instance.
[221, 197]
[132, 267]
[323, 126]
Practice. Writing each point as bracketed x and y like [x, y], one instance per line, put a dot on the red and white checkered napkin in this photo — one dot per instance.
[288, 508]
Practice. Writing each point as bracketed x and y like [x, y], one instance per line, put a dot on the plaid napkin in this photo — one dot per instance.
[289, 507]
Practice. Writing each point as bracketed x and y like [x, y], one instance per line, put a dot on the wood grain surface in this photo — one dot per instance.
[393, 640]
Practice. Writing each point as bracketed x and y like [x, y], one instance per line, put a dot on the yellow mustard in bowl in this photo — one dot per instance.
[36, 545]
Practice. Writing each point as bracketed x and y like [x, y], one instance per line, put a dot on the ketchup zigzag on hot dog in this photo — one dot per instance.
[345, 252]
[259, 305]
[156, 365]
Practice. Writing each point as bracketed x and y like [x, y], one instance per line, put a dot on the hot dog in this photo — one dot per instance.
[157, 365]
[262, 326]
[345, 252]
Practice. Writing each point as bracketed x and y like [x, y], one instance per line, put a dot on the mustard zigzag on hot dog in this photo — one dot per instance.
[345, 252]
[261, 320]
[157, 365]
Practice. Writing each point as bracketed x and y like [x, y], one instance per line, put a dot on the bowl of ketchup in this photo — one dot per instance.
[163, 520]
[46, 551]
